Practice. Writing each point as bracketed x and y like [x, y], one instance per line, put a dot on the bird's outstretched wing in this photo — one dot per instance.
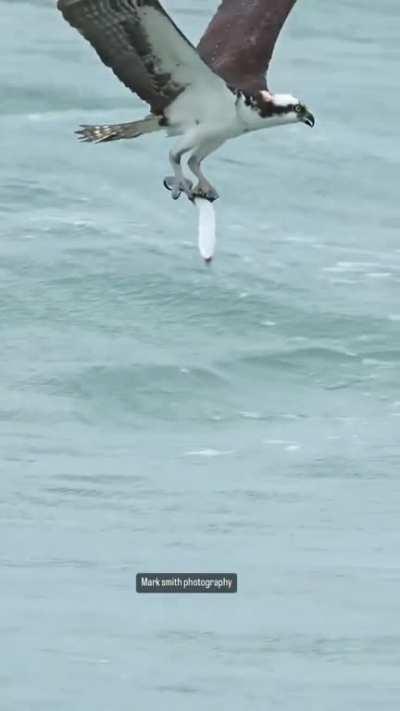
[142, 45]
[239, 42]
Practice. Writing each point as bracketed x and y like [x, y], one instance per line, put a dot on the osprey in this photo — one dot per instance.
[205, 96]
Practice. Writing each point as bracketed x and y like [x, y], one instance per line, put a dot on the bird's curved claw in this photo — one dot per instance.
[177, 187]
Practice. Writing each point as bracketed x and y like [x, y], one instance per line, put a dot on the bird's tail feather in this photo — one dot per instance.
[114, 132]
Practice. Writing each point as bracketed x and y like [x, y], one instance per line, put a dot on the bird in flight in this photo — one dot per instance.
[203, 96]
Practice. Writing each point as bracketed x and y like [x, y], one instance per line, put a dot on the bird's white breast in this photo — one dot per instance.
[206, 109]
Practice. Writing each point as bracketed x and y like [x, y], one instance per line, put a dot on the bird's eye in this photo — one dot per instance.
[298, 108]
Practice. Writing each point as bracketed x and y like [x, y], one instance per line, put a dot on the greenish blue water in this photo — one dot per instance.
[155, 415]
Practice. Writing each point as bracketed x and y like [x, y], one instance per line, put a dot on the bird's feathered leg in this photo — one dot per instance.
[203, 189]
[177, 183]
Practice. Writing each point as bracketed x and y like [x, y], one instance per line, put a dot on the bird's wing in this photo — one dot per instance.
[239, 42]
[142, 45]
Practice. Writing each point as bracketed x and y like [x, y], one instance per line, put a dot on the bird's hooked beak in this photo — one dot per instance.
[309, 119]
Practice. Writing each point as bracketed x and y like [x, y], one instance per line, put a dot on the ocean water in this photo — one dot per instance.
[156, 415]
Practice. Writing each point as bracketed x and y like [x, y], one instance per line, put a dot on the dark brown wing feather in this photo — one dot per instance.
[141, 44]
[239, 42]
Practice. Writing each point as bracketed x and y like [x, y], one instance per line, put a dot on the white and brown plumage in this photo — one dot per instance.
[205, 95]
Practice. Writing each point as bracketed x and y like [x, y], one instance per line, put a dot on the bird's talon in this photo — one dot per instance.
[205, 193]
[177, 187]
[169, 183]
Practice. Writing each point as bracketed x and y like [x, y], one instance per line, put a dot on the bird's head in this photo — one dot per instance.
[285, 108]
